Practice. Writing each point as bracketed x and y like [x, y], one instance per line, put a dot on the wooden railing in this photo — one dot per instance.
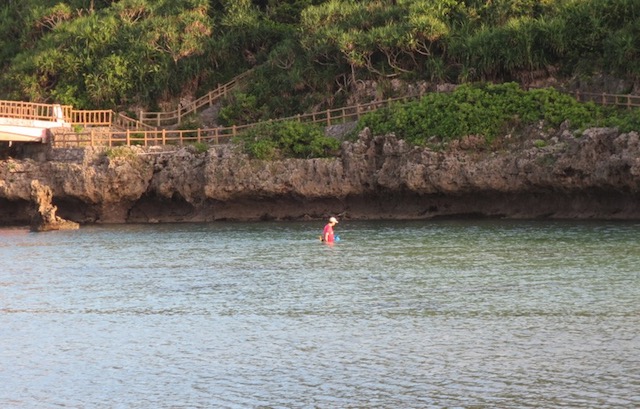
[159, 119]
[106, 118]
[92, 117]
[629, 101]
[345, 114]
[225, 134]
[148, 121]
[118, 129]
[124, 122]
[34, 111]
[213, 136]
[66, 113]
[160, 137]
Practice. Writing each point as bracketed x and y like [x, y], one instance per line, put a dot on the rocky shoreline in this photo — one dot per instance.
[595, 175]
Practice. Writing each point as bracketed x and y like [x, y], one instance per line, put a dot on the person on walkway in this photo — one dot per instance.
[327, 233]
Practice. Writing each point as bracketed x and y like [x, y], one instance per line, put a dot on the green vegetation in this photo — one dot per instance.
[490, 110]
[277, 140]
[539, 143]
[137, 139]
[200, 147]
[306, 53]
[121, 152]
[190, 122]
[311, 54]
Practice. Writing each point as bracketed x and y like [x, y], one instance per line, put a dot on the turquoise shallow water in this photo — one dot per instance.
[395, 315]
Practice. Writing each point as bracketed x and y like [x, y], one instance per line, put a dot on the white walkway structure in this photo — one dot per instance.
[30, 122]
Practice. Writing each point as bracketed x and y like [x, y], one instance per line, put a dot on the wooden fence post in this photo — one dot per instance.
[128, 138]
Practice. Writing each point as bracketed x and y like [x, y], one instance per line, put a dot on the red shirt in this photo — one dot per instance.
[327, 234]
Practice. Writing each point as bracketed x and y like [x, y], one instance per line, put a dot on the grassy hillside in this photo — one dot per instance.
[305, 53]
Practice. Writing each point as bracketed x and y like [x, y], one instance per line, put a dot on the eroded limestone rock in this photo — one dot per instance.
[545, 174]
[44, 217]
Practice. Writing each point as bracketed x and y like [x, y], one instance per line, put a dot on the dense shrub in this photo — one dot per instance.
[624, 119]
[487, 110]
[305, 54]
[278, 140]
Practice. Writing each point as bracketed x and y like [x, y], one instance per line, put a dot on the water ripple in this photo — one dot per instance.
[398, 314]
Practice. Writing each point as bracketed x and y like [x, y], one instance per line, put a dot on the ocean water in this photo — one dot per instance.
[429, 314]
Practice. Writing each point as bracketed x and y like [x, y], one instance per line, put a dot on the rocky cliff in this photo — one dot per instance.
[44, 216]
[560, 175]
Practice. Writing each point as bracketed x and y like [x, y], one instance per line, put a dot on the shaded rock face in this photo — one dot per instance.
[44, 217]
[560, 175]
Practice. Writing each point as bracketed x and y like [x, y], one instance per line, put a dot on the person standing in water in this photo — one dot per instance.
[327, 233]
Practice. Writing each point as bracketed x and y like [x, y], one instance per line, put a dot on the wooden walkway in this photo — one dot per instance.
[214, 136]
[108, 128]
[27, 122]
[175, 117]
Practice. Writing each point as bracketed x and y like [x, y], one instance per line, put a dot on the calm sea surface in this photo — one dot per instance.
[458, 314]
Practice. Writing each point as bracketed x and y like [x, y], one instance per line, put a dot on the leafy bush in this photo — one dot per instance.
[200, 147]
[189, 122]
[484, 109]
[306, 54]
[277, 140]
[624, 119]
[119, 152]
[239, 108]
